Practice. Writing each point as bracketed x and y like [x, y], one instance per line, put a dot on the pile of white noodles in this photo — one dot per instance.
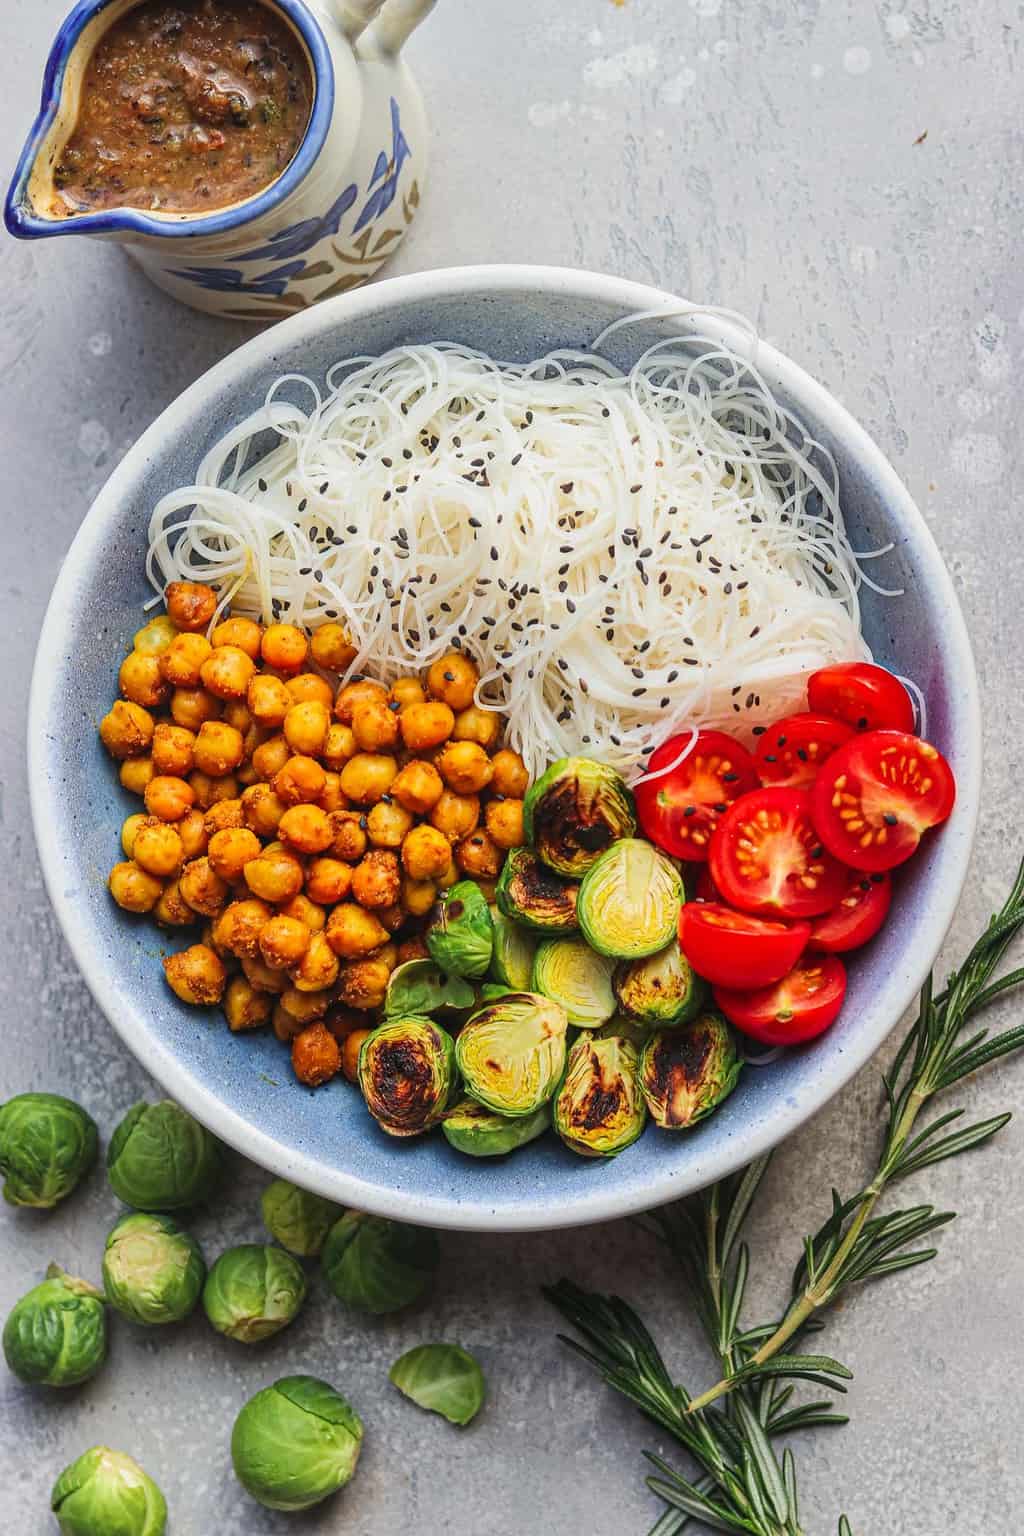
[623, 555]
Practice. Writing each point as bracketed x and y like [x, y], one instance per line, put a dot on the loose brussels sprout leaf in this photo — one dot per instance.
[296, 1443]
[378, 1265]
[476, 1130]
[153, 1272]
[531, 894]
[252, 1292]
[419, 987]
[461, 937]
[511, 1053]
[599, 1109]
[514, 949]
[47, 1144]
[662, 990]
[570, 973]
[492, 990]
[56, 1335]
[296, 1218]
[629, 900]
[106, 1493]
[686, 1073]
[443, 1379]
[160, 1159]
[574, 812]
[406, 1073]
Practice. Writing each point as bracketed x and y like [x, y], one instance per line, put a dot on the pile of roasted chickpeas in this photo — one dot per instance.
[307, 831]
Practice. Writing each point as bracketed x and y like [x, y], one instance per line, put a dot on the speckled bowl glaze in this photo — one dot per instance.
[241, 1086]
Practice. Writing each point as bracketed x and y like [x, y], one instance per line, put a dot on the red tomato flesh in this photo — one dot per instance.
[734, 949]
[705, 888]
[789, 754]
[857, 918]
[678, 811]
[867, 697]
[766, 857]
[800, 1006]
[877, 795]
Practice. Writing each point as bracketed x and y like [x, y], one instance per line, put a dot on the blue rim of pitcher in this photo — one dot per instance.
[26, 225]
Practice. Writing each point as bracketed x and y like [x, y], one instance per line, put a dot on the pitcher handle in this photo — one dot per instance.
[354, 16]
[398, 19]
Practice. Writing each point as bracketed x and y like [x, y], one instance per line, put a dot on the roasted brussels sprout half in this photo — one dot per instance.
[629, 900]
[530, 893]
[296, 1218]
[686, 1073]
[407, 1073]
[295, 1443]
[443, 1379]
[621, 1027]
[160, 1159]
[461, 937]
[476, 1130]
[574, 812]
[572, 974]
[511, 1053]
[662, 990]
[56, 1335]
[599, 1109]
[47, 1144]
[253, 1291]
[106, 1493]
[514, 949]
[378, 1265]
[419, 988]
[153, 1272]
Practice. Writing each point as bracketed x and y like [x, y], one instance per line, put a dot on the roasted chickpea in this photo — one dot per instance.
[262, 810]
[246, 775]
[192, 831]
[190, 604]
[488, 889]
[375, 726]
[391, 918]
[386, 955]
[368, 776]
[453, 679]
[236, 713]
[350, 838]
[306, 911]
[127, 730]
[332, 798]
[129, 831]
[270, 757]
[239, 926]
[284, 647]
[191, 706]
[339, 745]
[231, 850]
[376, 881]
[418, 896]
[456, 815]
[211, 791]
[268, 699]
[504, 822]
[318, 968]
[219, 749]
[477, 856]
[405, 691]
[154, 638]
[300, 781]
[305, 1007]
[350, 1048]
[426, 853]
[306, 828]
[418, 787]
[332, 648]
[365, 691]
[510, 776]
[465, 767]
[305, 727]
[316, 1055]
[425, 726]
[259, 973]
[135, 773]
[276, 876]
[310, 688]
[387, 824]
[136, 890]
[226, 672]
[328, 880]
[182, 662]
[353, 932]
[244, 634]
[363, 984]
[480, 725]
[283, 942]
[285, 1025]
[172, 910]
[202, 887]
[157, 849]
[197, 975]
[141, 680]
[222, 816]
[168, 797]
[342, 1021]
[412, 949]
[173, 749]
[244, 1006]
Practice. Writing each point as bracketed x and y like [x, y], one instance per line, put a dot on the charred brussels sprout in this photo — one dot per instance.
[296, 1218]
[514, 949]
[160, 1159]
[461, 937]
[443, 1379]
[106, 1493]
[56, 1335]
[512, 1052]
[420, 987]
[378, 1265]
[686, 1073]
[47, 1144]
[629, 900]
[153, 1272]
[570, 973]
[406, 1074]
[295, 1443]
[479, 1132]
[574, 812]
[599, 1109]
[531, 894]
[660, 990]
[252, 1292]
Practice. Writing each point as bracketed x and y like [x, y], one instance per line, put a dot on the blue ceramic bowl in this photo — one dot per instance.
[241, 1086]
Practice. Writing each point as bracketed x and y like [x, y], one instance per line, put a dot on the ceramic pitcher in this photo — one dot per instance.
[334, 215]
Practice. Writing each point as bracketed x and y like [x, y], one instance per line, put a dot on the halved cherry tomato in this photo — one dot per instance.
[857, 918]
[800, 1006]
[867, 697]
[791, 752]
[876, 796]
[766, 857]
[679, 810]
[734, 949]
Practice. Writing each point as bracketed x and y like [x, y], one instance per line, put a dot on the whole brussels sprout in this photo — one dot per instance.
[296, 1218]
[530, 893]
[378, 1265]
[479, 1132]
[421, 988]
[511, 1053]
[295, 1443]
[572, 974]
[514, 949]
[406, 1074]
[461, 937]
[160, 1159]
[47, 1144]
[56, 1335]
[686, 1073]
[599, 1109]
[629, 901]
[662, 990]
[106, 1493]
[574, 812]
[153, 1272]
[252, 1292]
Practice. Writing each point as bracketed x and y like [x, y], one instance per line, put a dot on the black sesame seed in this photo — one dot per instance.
[890, 820]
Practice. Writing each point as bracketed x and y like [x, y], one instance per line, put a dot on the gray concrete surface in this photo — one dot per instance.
[849, 174]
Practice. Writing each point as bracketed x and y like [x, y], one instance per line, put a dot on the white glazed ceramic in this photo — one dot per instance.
[329, 221]
[242, 1086]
